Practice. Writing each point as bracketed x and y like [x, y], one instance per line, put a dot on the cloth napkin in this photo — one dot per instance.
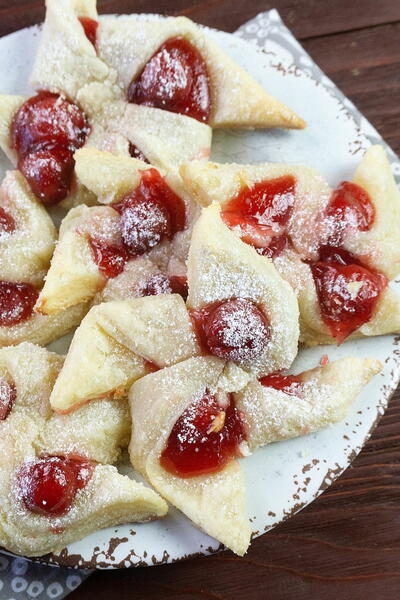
[21, 579]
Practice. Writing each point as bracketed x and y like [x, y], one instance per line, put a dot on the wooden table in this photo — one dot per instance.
[346, 545]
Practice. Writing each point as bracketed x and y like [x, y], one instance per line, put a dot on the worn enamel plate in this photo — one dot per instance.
[284, 477]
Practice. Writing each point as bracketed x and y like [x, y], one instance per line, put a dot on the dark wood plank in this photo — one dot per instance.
[369, 75]
[344, 546]
[307, 18]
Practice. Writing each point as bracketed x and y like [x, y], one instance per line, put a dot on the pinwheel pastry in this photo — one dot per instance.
[238, 309]
[56, 481]
[27, 237]
[169, 64]
[339, 248]
[189, 427]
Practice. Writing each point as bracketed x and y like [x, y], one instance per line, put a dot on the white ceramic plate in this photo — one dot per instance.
[281, 478]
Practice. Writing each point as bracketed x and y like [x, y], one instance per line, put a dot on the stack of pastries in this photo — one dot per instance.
[190, 283]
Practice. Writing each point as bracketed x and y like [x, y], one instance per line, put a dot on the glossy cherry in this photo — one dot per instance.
[7, 223]
[262, 212]
[110, 259]
[46, 131]
[204, 438]
[175, 79]
[233, 329]
[16, 302]
[150, 214]
[48, 486]
[8, 395]
[350, 207]
[49, 173]
[90, 28]
[289, 384]
[48, 118]
[347, 295]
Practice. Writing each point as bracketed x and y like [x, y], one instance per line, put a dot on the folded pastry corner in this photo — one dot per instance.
[9, 105]
[118, 342]
[27, 233]
[215, 502]
[26, 245]
[278, 407]
[218, 91]
[379, 244]
[66, 59]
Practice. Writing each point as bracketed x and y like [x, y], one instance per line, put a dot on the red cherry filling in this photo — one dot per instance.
[49, 173]
[347, 295]
[16, 302]
[48, 118]
[350, 207]
[144, 224]
[162, 284]
[7, 223]
[90, 28]
[204, 438]
[262, 213]
[150, 214]
[234, 329]
[174, 79]
[338, 256]
[136, 153]
[111, 260]
[45, 132]
[179, 285]
[8, 395]
[289, 384]
[48, 486]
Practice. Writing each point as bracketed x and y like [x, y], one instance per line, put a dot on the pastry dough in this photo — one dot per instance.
[166, 139]
[117, 343]
[74, 277]
[215, 503]
[328, 392]
[30, 431]
[24, 259]
[43, 329]
[380, 245]
[221, 267]
[25, 253]
[9, 105]
[237, 100]
[66, 60]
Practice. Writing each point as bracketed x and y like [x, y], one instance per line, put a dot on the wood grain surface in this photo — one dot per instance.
[346, 545]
